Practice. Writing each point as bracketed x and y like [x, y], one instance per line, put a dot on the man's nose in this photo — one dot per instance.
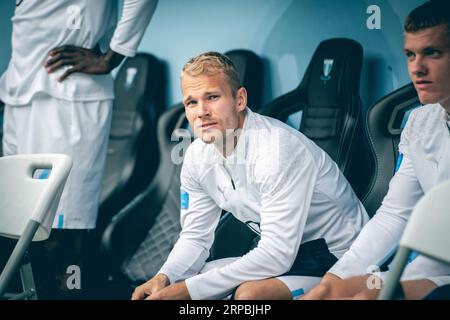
[418, 67]
[203, 109]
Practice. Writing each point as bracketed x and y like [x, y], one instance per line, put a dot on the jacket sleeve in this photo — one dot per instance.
[380, 236]
[199, 218]
[285, 202]
[136, 15]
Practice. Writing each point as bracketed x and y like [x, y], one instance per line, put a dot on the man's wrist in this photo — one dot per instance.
[112, 59]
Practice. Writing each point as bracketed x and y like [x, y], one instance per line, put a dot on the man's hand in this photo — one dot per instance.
[177, 291]
[157, 283]
[90, 61]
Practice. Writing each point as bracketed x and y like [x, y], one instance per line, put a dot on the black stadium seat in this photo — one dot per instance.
[132, 158]
[151, 220]
[385, 121]
[330, 106]
[140, 237]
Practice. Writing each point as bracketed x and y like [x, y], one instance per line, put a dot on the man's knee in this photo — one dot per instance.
[246, 291]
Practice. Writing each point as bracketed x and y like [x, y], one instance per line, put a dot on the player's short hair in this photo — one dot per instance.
[428, 15]
[211, 63]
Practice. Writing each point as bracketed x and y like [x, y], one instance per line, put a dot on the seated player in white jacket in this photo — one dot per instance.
[425, 154]
[267, 175]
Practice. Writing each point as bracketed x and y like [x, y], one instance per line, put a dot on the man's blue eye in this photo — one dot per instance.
[433, 53]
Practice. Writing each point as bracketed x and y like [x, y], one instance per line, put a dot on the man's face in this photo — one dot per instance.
[428, 54]
[210, 106]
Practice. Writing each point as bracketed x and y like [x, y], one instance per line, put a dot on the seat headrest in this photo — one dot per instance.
[330, 88]
[334, 69]
[136, 79]
[250, 69]
[138, 89]
[387, 117]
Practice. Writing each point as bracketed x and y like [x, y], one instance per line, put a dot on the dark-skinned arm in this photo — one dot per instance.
[136, 15]
[90, 61]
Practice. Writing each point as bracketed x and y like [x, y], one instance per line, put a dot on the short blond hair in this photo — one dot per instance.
[211, 63]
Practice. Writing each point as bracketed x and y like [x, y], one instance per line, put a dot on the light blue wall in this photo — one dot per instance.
[284, 32]
[6, 12]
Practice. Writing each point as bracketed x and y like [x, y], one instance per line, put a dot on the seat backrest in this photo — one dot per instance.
[427, 231]
[133, 156]
[385, 121]
[24, 196]
[326, 106]
[139, 91]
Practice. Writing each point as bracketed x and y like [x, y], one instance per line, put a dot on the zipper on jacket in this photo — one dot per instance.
[229, 175]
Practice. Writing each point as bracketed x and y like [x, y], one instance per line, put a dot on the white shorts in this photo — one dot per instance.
[79, 129]
[298, 285]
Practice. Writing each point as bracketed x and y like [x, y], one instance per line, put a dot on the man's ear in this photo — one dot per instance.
[241, 96]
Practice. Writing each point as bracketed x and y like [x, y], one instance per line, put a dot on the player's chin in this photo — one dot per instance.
[208, 139]
[426, 98]
[211, 136]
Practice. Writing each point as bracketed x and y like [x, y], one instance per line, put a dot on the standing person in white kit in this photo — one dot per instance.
[59, 94]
